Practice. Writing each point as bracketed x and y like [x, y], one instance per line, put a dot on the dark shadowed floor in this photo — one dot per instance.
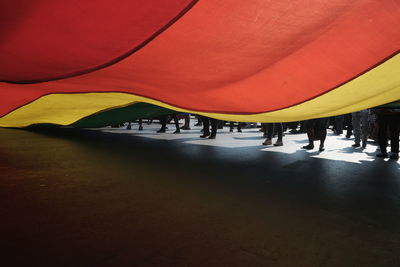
[114, 197]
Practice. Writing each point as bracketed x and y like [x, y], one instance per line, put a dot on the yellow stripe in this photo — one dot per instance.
[376, 87]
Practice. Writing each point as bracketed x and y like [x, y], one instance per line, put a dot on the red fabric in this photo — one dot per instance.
[236, 56]
[47, 39]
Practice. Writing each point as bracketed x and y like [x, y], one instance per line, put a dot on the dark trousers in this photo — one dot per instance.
[270, 130]
[239, 127]
[164, 119]
[339, 124]
[391, 122]
[206, 125]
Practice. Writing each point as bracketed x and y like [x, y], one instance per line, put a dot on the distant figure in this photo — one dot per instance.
[239, 127]
[129, 127]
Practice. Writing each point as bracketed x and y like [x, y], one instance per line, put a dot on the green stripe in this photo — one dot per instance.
[120, 115]
[395, 104]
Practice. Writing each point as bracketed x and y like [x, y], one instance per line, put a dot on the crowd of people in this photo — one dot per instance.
[381, 125]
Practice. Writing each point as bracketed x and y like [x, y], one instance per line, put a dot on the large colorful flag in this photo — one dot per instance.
[260, 60]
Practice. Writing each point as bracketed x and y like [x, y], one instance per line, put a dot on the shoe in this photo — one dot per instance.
[364, 144]
[212, 136]
[308, 147]
[177, 131]
[278, 143]
[128, 127]
[321, 148]
[230, 130]
[239, 131]
[140, 128]
[185, 128]
[267, 142]
[198, 124]
[394, 156]
[204, 135]
[382, 155]
[161, 131]
[356, 145]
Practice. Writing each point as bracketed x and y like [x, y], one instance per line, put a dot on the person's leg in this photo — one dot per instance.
[163, 121]
[140, 125]
[270, 131]
[129, 127]
[349, 125]
[323, 125]
[279, 129]
[264, 129]
[176, 121]
[382, 135]
[356, 128]
[186, 125]
[199, 120]
[364, 127]
[206, 126]
[214, 127]
[231, 126]
[339, 124]
[309, 125]
[239, 127]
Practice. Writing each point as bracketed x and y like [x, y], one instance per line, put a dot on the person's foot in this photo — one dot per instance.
[212, 136]
[205, 135]
[185, 128]
[230, 130]
[267, 142]
[394, 156]
[161, 130]
[239, 130]
[364, 144]
[198, 124]
[382, 155]
[321, 148]
[278, 143]
[128, 127]
[348, 136]
[308, 147]
[140, 128]
[356, 145]
[177, 131]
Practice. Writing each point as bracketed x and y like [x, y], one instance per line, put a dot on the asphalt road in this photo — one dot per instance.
[114, 197]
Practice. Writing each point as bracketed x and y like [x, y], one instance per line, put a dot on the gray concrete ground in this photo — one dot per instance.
[116, 197]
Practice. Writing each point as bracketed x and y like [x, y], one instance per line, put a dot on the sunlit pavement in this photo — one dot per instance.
[117, 197]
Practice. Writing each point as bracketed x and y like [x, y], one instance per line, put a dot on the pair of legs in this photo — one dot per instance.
[129, 127]
[270, 131]
[360, 127]
[239, 127]
[163, 121]
[391, 122]
[206, 127]
[186, 125]
[316, 127]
